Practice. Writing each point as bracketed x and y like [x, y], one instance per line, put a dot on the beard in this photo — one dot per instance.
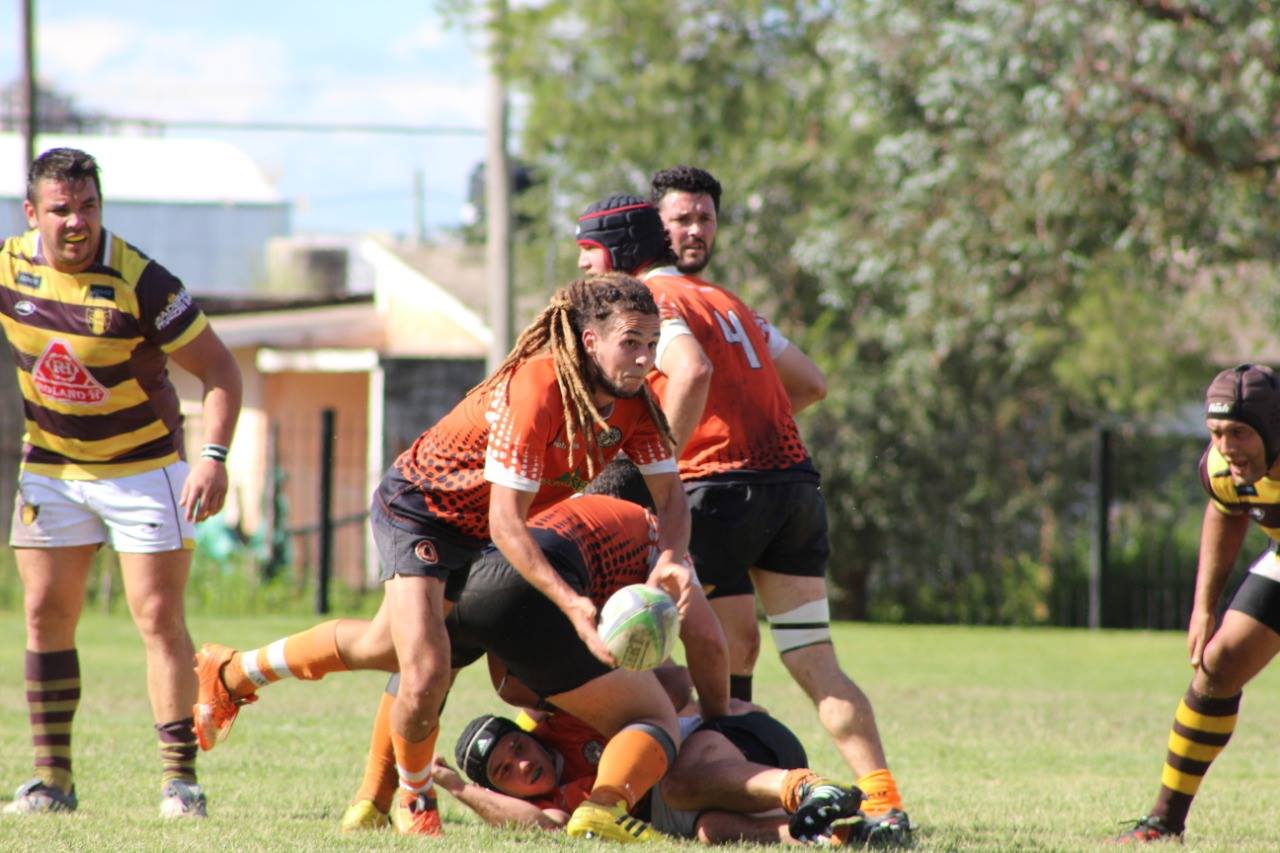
[693, 267]
[619, 393]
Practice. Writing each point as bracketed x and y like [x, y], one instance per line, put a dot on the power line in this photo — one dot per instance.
[299, 127]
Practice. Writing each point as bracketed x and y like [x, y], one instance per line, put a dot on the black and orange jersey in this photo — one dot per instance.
[747, 429]
[513, 435]
[1261, 500]
[616, 540]
[90, 349]
[579, 747]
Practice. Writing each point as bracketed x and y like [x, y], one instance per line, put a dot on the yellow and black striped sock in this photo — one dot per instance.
[1202, 726]
[177, 750]
[53, 694]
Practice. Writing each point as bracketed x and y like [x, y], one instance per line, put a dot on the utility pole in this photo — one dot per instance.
[419, 207]
[497, 175]
[29, 81]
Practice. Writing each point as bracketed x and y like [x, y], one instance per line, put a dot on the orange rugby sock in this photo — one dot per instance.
[879, 792]
[633, 761]
[413, 763]
[309, 655]
[792, 784]
[380, 780]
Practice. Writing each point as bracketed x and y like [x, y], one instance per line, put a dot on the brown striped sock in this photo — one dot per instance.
[177, 751]
[53, 693]
[1202, 725]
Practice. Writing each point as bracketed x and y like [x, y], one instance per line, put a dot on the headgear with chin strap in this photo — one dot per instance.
[476, 744]
[628, 228]
[1250, 394]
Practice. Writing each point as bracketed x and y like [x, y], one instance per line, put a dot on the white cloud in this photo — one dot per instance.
[429, 35]
[170, 74]
[81, 46]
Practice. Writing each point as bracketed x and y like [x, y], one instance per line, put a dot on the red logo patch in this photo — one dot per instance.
[59, 375]
[425, 551]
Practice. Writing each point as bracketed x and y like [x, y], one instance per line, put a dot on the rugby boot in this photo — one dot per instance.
[822, 803]
[610, 823]
[215, 709]
[35, 797]
[183, 799]
[363, 815]
[418, 815]
[1147, 829]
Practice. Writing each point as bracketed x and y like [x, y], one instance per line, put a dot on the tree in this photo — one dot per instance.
[994, 224]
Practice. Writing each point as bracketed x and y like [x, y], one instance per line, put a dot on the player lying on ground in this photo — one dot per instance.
[737, 778]
[1241, 471]
[569, 396]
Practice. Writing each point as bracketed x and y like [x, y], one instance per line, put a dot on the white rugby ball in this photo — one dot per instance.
[639, 624]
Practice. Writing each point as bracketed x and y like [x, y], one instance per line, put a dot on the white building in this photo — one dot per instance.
[201, 208]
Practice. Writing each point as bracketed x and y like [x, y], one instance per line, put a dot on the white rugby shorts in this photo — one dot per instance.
[137, 514]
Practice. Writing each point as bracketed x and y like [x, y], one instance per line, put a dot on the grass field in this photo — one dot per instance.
[1000, 739]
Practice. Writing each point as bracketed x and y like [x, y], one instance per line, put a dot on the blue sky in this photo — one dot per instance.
[375, 62]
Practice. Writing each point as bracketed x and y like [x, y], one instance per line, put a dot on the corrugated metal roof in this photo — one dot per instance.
[152, 169]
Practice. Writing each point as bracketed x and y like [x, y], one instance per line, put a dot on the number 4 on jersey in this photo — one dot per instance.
[735, 334]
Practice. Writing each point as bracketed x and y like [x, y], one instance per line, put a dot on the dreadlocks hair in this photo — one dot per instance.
[586, 302]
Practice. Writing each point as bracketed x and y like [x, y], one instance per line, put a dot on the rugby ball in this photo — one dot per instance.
[639, 625]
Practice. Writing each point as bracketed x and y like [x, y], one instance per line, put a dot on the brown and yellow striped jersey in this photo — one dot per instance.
[1260, 500]
[90, 349]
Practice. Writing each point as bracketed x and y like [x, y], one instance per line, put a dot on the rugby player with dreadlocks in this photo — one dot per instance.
[569, 397]
[1241, 472]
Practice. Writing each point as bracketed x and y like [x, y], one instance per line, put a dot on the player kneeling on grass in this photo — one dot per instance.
[1241, 471]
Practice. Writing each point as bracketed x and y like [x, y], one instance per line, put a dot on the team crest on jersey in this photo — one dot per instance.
[61, 377]
[592, 750]
[24, 308]
[609, 437]
[26, 279]
[97, 319]
[425, 551]
[1257, 513]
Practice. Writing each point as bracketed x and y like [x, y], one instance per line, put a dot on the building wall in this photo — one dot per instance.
[213, 248]
[293, 403]
[418, 392]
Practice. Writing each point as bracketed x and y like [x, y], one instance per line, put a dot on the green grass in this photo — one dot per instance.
[1001, 740]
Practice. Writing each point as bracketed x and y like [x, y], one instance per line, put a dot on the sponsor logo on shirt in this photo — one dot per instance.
[102, 291]
[24, 308]
[178, 303]
[27, 279]
[59, 376]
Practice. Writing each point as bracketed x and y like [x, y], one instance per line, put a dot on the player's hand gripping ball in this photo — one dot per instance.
[639, 624]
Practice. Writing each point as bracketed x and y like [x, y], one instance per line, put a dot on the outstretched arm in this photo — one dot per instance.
[494, 808]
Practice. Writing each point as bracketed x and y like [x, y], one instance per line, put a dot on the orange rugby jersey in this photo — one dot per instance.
[747, 428]
[513, 435]
[616, 539]
[91, 351]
